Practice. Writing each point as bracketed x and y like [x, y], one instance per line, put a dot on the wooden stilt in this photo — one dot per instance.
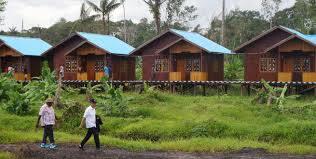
[248, 89]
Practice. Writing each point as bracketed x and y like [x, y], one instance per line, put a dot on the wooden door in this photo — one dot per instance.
[180, 67]
[288, 63]
[91, 67]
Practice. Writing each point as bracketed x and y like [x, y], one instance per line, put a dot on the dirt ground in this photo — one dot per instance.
[68, 151]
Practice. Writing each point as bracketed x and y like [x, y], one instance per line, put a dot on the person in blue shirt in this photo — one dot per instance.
[107, 71]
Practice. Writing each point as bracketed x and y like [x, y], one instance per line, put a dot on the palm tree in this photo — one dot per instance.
[13, 31]
[2, 5]
[125, 28]
[105, 8]
[154, 7]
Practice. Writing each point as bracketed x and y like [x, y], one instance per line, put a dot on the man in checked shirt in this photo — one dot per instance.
[47, 119]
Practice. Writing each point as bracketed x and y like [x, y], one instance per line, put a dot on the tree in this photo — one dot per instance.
[3, 4]
[178, 15]
[104, 10]
[154, 7]
[13, 31]
[302, 16]
[240, 27]
[269, 8]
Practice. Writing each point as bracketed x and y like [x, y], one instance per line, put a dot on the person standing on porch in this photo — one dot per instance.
[61, 72]
[107, 71]
[47, 120]
[10, 70]
[89, 119]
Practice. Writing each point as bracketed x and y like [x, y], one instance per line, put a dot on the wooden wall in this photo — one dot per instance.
[255, 50]
[147, 53]
[33, 63]
[58, 54]
[296, 44]
[6, 51]
[183, 46]
[213, 64]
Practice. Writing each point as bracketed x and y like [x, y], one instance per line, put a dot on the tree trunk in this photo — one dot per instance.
[104, 24]
[108, 24]
[157, 21]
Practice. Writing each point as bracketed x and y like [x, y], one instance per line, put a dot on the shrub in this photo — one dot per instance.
[210, 128]
[113, 103]
[152, 95]
[18, 104]
[72, 116]
[233, 69]
[8, 85]
[44, 87]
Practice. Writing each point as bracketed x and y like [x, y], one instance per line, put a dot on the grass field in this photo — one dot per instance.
[6, 155]
[187, 123]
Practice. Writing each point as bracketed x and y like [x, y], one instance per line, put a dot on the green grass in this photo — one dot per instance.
[6, 155]
[186, 123]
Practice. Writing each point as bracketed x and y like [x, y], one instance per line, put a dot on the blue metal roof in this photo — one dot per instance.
[110, 44]
[25, 45]
[310, 38]
[201, 41]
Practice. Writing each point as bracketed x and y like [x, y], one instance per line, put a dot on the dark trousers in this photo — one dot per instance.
[48, 132]
[95, 133]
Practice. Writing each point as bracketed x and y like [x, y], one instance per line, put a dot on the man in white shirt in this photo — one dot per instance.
[89, 118]
[47, 118]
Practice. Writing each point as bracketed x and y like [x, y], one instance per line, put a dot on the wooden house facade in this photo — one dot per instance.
[84, 55]
[23, 54]
[182, 56]
[280, 54]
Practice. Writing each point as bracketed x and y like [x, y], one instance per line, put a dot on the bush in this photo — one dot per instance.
[71, 117]
[233, 69]
[18, 104]
[210, 128]
[8, 85]
[43, 88]
[113, 103]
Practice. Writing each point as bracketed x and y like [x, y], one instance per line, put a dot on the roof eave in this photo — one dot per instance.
[256, 38]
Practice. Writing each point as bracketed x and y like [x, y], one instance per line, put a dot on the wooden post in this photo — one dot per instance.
[248, 89]
[194, 89]
[204, 89]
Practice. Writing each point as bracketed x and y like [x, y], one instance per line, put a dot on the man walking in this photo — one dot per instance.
[89, 118]
[47, 118]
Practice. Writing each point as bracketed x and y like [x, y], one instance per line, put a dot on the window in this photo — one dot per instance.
[71, 64]
[162, 64]
[193, 64]
[268, 64]
[99, 65]
[302, 65]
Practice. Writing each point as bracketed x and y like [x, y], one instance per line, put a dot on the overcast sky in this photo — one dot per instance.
[44, 13]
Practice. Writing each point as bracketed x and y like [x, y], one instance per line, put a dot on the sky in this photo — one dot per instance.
[44, 13]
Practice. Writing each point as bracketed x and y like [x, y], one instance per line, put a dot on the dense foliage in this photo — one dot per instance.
[44, 87]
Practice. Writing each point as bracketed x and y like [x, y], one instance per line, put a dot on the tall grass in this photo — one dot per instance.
[186, 123]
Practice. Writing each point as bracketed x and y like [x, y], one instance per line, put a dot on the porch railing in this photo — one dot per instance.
[21, 76]
[285, 77]
[82, 76]
[175, 76]
[198, 76]
[309, 77]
